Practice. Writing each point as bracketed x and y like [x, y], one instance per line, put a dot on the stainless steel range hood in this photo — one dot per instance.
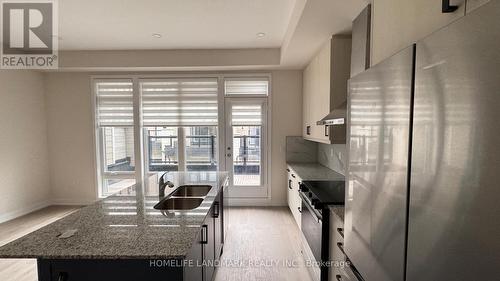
[360, 61]
[336, 117]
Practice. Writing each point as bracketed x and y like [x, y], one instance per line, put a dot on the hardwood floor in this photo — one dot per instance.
[25, 269]
[262, 244]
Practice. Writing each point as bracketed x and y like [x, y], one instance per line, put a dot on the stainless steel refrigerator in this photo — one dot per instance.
[423, 197]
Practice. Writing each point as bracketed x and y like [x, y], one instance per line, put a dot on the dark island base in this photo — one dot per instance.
[110, 270]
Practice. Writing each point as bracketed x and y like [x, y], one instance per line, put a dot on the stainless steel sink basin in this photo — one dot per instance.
[192, 191]
[186, 203]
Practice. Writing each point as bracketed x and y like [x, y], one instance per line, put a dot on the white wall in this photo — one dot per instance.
[70, 136]
[286, 121]
[24, 173]
[71, 144]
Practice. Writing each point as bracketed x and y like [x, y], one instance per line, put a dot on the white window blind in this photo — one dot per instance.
[246, 115]
[246, 86]
[114, 103]
[179, 102]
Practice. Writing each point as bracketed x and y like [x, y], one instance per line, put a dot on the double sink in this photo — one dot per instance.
[186, 197]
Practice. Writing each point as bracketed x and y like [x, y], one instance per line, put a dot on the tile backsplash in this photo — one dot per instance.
[333, 156]
[300, 150]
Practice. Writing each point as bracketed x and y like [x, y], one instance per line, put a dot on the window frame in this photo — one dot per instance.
[99, 162]
[140, 159]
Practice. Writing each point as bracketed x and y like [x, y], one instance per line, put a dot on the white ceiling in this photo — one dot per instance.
[295, 31]
[317, 22]
[184, 24]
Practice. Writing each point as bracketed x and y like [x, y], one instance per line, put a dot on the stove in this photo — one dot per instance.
[320, 194]
[315, 220]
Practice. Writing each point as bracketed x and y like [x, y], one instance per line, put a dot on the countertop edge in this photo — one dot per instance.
[332, 175]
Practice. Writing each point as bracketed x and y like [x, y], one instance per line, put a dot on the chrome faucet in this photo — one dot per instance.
[162, 184]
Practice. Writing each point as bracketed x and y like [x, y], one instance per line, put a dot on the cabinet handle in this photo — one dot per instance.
[63, 276]
[327, 131]
[293, 176]
[300, 211]
[447, 8]
[341, 231]
[290, 184]
[216, 210]
[341, 247]
[204, 234]
[338, 277]
[308, 130]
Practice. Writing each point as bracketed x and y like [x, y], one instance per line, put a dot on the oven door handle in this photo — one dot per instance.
[313, 212]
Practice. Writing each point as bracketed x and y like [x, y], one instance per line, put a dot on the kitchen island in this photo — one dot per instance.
[124, 237]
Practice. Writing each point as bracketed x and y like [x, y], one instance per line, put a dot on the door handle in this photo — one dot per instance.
[300, 211]
[204, 234]
[447, 8]
[327, 132]
[289, 184]
[308, 130]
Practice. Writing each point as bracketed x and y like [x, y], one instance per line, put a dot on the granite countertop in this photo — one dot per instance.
[338, 210]
[315, 171]
[123, 226]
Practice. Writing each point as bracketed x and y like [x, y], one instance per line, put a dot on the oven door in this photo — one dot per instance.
[312, 227]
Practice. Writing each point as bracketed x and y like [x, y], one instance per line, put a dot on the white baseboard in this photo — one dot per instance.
[23, 211]
[71, 202]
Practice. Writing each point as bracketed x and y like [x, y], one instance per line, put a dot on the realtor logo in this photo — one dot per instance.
[29, 38]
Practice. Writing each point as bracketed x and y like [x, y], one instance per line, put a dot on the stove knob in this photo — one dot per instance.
[311, 195]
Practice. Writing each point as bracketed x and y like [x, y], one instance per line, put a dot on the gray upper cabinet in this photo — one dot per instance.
[396, 24]
[361, 28]
[325, 86]
[474, 4]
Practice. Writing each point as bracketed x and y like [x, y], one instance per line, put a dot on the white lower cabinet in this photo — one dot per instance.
[337, 257]
[294, 201]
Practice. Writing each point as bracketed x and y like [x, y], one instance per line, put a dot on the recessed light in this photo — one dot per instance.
[156, 35]
[261, 34]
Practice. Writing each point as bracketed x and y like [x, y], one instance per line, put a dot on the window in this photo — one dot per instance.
[246, 86]
[182, 117]
[115, 135]
[179, 102]
[118, 149]
[173, 124]
[246, 125]
[163, 147]
[201, 148]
